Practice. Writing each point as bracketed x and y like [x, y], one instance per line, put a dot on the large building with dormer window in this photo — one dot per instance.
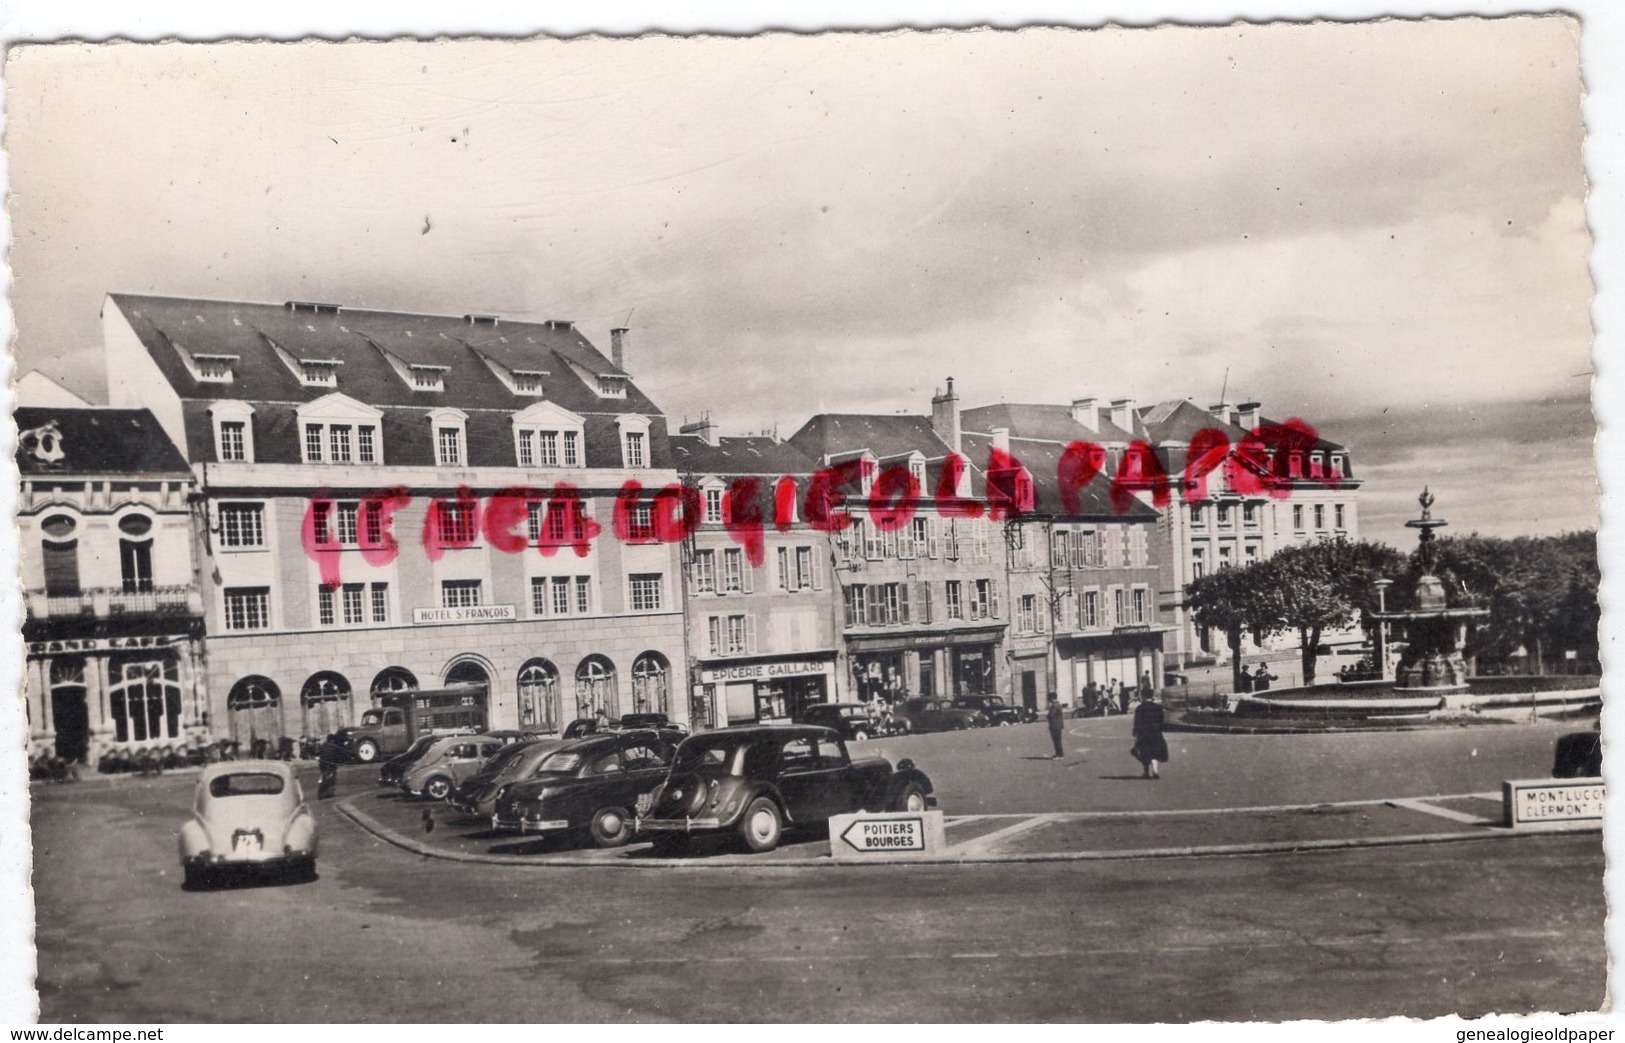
[114, 624]
[394, 501]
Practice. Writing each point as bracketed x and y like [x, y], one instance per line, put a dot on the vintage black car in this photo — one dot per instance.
[758, 781]
[996, 710]
[395, 769]
[1578, 756]
[936, 715]
[852, 720]
[590, 787]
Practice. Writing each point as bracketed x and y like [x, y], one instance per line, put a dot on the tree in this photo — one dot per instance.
[1325, 585]
[1233, 601]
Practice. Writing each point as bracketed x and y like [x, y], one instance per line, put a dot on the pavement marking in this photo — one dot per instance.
[983, 844]
[1449, 813]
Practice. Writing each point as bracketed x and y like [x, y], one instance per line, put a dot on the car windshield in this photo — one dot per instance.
[372, 718]
[246, 784]
[416, 749]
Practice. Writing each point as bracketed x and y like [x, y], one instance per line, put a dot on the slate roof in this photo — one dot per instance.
[98, 441]
[890, 437]
[359, 339]
[1042, 460]
[1048, 422]
[752, 455]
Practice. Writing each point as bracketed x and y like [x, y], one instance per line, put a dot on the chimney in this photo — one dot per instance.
[1224, 412]
[1248, 415]
[1001, 440]
[945, 416]
[1123, 413]
[704, 427]
[1085, 413]
[617, 347]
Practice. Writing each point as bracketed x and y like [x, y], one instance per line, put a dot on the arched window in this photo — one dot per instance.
[595, 686]
[144, 699]
[394, 679]
[468, 672]
[61, 556]
[70, 714]
[135, 552]
[539, 696]
[254, 709]
[650, 683]
[325, 702]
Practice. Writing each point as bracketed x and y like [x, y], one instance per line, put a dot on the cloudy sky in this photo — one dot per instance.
[1378, 228]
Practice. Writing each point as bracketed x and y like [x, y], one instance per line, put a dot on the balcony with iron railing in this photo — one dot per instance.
[104, 603]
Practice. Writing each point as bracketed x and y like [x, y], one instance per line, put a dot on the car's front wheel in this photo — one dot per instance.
[762, 825]
[911, 798]
[437, 788]
[860, 735]
[366, 751]
[610, 827]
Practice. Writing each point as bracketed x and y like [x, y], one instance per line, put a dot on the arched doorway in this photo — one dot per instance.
[468, 672]
[394, 679]
[651, 678]
[595, 686]
[325, 703]
[70, 716]
[254, 710]
[539, 696]
[144, 699]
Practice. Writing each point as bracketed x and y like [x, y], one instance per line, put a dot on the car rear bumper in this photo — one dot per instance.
[677, 825]
[528, 825]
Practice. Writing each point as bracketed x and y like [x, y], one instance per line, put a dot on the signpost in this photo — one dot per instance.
[888, 835]
[1557, 803]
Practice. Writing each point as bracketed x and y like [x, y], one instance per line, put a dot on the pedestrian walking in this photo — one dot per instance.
[1262, 679]
[327, 763]
[1146, 687]
[1122, 696]
[1056, 724]
[1150, 748]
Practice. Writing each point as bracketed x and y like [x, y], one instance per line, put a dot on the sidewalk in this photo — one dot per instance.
[1061, 836]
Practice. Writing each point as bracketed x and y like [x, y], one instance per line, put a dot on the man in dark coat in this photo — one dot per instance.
[1262, 679]
[1150, 748]
[1056, 723]
[328, 758]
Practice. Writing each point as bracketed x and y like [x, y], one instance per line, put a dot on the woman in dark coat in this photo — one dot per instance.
[1150, 748]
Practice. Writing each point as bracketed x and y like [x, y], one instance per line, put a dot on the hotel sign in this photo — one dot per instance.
[465, 614]
[764, 671]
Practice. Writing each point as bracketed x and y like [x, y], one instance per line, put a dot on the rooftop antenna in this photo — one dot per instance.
[1225, 389]
[628, 323]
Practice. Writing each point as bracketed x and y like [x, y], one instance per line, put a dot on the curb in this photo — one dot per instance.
[384, 833]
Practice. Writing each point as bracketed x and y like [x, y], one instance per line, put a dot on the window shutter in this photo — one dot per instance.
[750, 634]
[715, 627]
[817, 571]
[747, 573]
[932, 544]
[925, 601]
[992, 599]
[902, 600]
[876, 607]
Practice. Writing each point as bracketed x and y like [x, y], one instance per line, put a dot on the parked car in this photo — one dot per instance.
[448, 762]
[477, 795]
[851, 720]
[1578, 756]
[935, 715]
[757, 781]
[590, 786]
[994, 709]
[247, 813]
[392, 770]
[647, 720]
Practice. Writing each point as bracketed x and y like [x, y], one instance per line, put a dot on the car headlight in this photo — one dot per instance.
[502, 791]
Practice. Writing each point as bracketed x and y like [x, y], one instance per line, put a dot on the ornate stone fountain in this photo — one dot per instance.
[1435, 633]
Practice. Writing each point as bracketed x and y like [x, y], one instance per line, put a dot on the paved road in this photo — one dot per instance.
[1513, 925]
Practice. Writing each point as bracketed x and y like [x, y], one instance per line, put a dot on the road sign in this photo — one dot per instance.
[898, 833]
[1570, 803]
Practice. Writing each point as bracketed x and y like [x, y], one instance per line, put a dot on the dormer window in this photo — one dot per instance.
[917, 469]
[1337, 465]
[634, 441]
[612, 387]
[447, 427]
[428, 378]
[319, 372]
[337, 429]
[233, 431]
[547, 436]
[215, 368]
[527, 383]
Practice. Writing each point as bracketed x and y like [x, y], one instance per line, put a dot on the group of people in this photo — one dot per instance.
[1257, 681]
[1150, 747]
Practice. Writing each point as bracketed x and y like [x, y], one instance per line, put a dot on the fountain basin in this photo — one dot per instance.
[1547, 694]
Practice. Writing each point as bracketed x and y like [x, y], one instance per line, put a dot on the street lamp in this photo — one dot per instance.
[1382, 586]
